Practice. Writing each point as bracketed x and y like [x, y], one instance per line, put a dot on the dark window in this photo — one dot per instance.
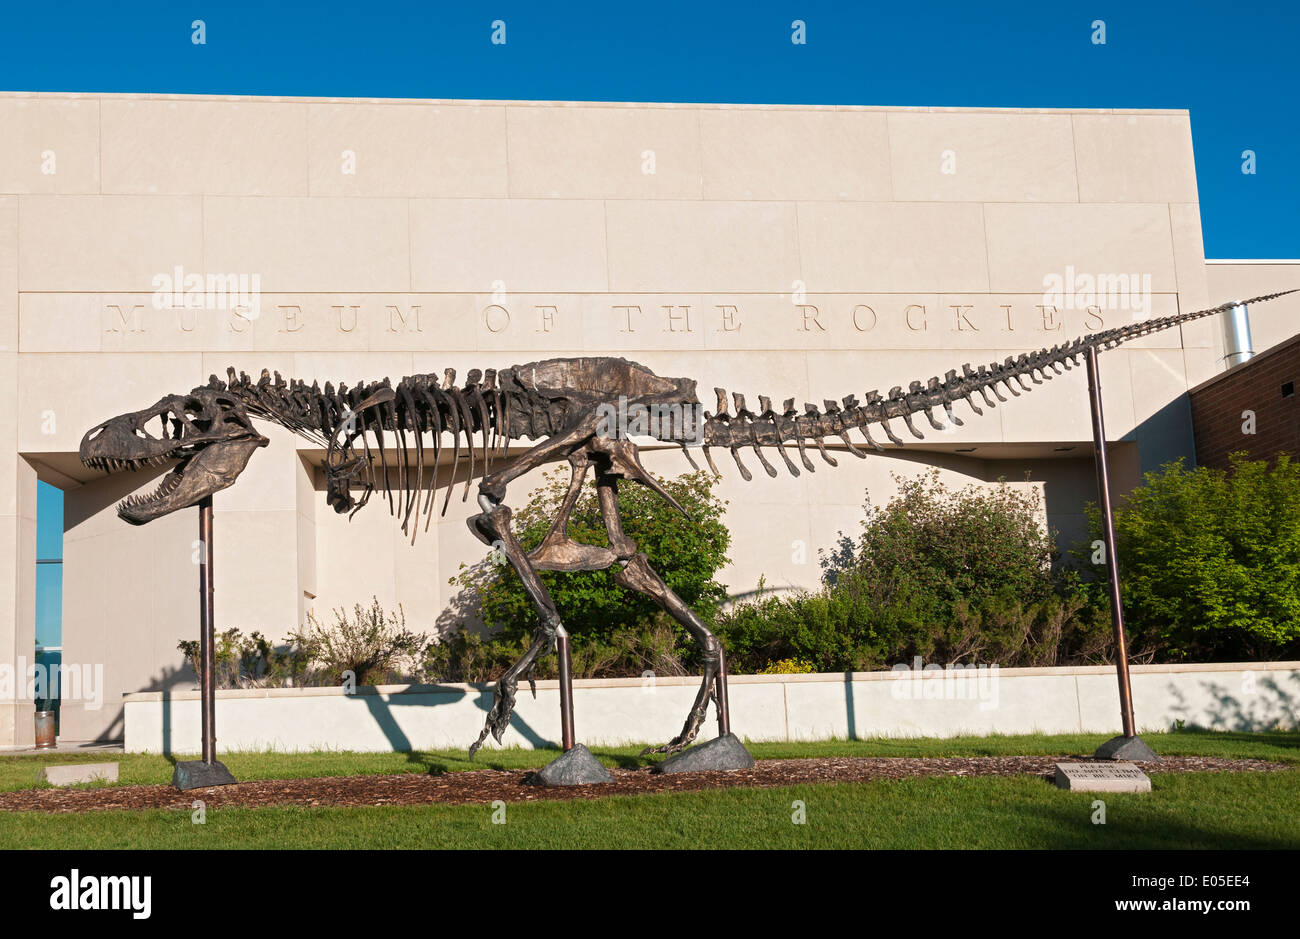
[1288, 389]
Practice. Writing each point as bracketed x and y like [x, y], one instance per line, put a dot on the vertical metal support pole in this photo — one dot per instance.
[207, 674]
[724, 708]
[208, 772]
[1108, 532]
[566, 688]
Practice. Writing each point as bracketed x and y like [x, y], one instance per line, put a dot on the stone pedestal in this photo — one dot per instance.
[575, 767]
[195, 774]
[723, 753]
[1126, 748]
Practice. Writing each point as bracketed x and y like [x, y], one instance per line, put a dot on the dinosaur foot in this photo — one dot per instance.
[723, 753]
[685, 738]
[498, 719]
[676, 745]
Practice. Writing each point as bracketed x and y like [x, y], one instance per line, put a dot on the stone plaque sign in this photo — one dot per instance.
[1101, 777]
[70, 774]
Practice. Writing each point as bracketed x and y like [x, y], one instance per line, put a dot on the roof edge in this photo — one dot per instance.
[511, 102]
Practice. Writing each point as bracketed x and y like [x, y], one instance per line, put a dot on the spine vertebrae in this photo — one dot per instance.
[771, 428]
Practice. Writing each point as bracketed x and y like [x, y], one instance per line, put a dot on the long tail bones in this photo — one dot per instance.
[900, 410]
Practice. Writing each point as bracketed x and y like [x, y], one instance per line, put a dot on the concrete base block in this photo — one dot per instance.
[724, 753]
[1125, 748]
[576, 767]
[195, 774]
[69, 774]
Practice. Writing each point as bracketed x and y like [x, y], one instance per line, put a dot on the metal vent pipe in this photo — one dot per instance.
[1236, 336]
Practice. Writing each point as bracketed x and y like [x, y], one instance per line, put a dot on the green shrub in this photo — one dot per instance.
[374, 646]
[946, 575]
[1210, 560]
[253, 661]
[788, 667]
[657, 647]
[687, 553]
[934, 547]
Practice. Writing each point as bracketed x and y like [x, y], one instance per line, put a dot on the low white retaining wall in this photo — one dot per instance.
[1239, 696]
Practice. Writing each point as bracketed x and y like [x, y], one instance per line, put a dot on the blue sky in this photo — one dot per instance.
[1234, 68]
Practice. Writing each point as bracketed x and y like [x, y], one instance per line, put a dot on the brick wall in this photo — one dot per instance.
[1265, 385]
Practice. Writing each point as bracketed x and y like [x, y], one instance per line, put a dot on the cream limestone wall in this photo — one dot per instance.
[806, 252]
[623, 711]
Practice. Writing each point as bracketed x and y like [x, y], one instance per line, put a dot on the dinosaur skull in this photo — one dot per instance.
[207, 432]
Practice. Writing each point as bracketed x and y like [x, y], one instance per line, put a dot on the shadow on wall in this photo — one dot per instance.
[1265, 705]
[1166, 435]
[381, 711]
[464, 610]
[381, 706]
[111, 571]
[104, 492]
[171, 680]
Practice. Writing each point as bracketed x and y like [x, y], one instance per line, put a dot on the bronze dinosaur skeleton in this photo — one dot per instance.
[567, 405]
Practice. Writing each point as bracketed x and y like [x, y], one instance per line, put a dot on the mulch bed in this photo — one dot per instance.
[484, 786]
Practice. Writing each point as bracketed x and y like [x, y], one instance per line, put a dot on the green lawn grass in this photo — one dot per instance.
[1200, 810]
[1196, 810]
[20, 771]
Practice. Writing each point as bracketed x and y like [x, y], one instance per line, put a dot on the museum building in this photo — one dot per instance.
[148, 242]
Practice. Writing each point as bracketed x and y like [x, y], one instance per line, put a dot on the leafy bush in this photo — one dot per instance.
[947, 575]
[932, 547]
[1210, 560]
[374, 646]
[687, 553]
[240, 661]
[788, 667]
[656, 647]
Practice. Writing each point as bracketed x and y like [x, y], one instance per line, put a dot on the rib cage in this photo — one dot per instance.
[343, 419]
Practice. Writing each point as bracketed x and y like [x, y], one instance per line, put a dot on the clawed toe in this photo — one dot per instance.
[498, 719]
[676, 745]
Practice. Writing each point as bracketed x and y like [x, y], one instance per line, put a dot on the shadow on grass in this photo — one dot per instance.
[1276, 738]
[1069, 828]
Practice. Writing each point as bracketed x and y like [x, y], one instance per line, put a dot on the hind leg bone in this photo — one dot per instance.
[635, 573]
